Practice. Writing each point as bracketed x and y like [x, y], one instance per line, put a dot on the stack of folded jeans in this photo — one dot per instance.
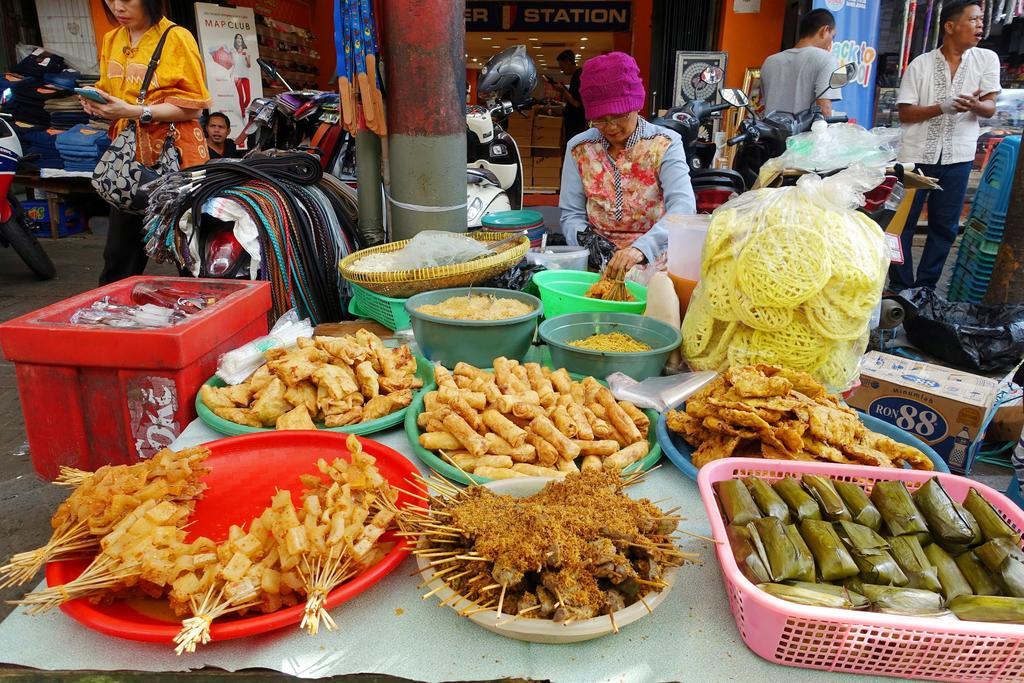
[82, 146]
[42, 142]
[66, 112]
[39, 63]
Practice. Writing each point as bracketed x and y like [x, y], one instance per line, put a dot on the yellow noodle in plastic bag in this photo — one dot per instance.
[790, 277]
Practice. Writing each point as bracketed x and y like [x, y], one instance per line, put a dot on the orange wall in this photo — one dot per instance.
[100, 25]
[640, 48]
[750, 38]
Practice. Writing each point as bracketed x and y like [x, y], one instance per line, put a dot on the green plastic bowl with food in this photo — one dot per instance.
[614, 341]
[563, 291]
[474, 325]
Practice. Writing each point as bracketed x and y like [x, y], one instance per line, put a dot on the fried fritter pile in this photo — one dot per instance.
[764, 411]
[333, 381]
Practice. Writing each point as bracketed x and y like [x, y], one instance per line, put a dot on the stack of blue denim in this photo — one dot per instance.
[66, 112]
[81, 147]
[42, 142]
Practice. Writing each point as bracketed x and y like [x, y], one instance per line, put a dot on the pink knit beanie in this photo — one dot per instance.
[610, 85]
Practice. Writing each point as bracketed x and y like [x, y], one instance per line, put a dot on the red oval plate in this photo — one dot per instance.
[245, 471]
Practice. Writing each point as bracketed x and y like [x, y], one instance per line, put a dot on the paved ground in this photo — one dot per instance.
[26, 502]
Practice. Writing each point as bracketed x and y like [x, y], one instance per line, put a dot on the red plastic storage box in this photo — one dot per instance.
[93, 395]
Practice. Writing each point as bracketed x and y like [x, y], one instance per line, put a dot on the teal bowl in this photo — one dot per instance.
[477, 342]
[661, 337]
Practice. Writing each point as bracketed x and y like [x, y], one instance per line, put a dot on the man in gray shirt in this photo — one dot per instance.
[790, 80]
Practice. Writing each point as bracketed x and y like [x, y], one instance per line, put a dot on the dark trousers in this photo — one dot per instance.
[944, 207]
[125, 253]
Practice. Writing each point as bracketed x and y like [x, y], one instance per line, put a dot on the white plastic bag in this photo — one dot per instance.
[790, 276]
[658, 393]
[428, 249]
[826, 148]
[236, 365]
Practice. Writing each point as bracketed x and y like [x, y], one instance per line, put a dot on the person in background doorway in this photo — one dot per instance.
[218, 128]
[574, 121]
[177, 95]
[624, 174]
[794, 79]
[943, 94]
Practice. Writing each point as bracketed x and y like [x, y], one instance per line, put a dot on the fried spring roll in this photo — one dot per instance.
[496, 473]
[601, 429]
[535, 471]
[538, 382]
[627, 456]
[561, 381]
[443, 377]
[602, 448]
[502, 461]
[639, 417]
[436, 441]
[505, 428]
[460, 429]
[564, 422]
[431, 402]
[461, 459]
[591, 462]
[527, 411]
[546, 429]
[473, 373]
[584, 431]
[618, 417]
[567, 466]
[499, 446]
[454, 400]
[547, 454]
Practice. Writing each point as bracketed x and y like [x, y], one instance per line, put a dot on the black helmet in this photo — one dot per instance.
[509, 75]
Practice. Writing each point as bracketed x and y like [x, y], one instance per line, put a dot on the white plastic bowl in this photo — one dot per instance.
[544, 630]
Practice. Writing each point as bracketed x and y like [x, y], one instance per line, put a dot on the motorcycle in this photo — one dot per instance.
[494, 166]
[15, 228]
[764, 138]
[712, 187]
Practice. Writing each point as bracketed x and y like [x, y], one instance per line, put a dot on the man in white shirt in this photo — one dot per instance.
[943, 95]
[794, 79]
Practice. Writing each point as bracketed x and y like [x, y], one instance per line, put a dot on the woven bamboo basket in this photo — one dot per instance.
[405, 283]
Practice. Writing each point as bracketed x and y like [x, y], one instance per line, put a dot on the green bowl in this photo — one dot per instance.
[424, 371]
[428, 458]
[661, 337]
[477, 342]
[562, 291]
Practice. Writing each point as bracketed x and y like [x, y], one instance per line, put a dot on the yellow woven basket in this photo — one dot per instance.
[404, 283]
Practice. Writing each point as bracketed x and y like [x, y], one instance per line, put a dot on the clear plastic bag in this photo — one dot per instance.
[790, 276]
[236, 365]
[428, 249]
[658, 393]
[826, 148]
[109, 314]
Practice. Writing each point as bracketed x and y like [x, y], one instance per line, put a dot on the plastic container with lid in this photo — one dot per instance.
[93, 395]
[559, 257]
[527, 221]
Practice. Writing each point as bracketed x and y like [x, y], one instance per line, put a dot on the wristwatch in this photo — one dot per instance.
[147, 114]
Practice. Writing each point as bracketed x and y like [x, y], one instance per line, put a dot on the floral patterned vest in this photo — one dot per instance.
[624, 195]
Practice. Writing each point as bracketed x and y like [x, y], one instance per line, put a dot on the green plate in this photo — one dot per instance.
[424, 370]
[435, 463]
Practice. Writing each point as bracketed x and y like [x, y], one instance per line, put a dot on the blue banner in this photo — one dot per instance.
[856, 41]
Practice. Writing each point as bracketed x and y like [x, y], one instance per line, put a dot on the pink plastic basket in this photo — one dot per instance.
[942, 649]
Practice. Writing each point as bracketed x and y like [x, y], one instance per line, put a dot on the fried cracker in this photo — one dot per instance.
[714, 448]
[751, 382]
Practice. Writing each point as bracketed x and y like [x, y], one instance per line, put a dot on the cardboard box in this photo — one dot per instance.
[547, 165]
[547, 137]
[547, 123]
[942, 407]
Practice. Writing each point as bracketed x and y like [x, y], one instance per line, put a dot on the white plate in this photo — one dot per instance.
[543, 630]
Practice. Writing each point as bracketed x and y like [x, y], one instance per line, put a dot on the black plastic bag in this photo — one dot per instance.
[601, 250]
[971, 336]
[517, 278]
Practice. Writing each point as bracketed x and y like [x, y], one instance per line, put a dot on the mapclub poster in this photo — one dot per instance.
[227, 39]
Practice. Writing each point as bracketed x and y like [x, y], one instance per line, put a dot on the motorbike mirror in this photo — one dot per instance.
[842, 75]
[6, 96]
[712, 75]
[735, 97]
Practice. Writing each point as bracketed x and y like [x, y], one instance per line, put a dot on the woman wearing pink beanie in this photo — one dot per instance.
[624, 174]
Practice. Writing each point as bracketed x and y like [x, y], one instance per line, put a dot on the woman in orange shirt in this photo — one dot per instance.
[176, 97]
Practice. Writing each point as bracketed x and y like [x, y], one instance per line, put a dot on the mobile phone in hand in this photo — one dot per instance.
[90, 94]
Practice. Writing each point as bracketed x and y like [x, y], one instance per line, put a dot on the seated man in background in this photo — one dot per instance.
[218, 128]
